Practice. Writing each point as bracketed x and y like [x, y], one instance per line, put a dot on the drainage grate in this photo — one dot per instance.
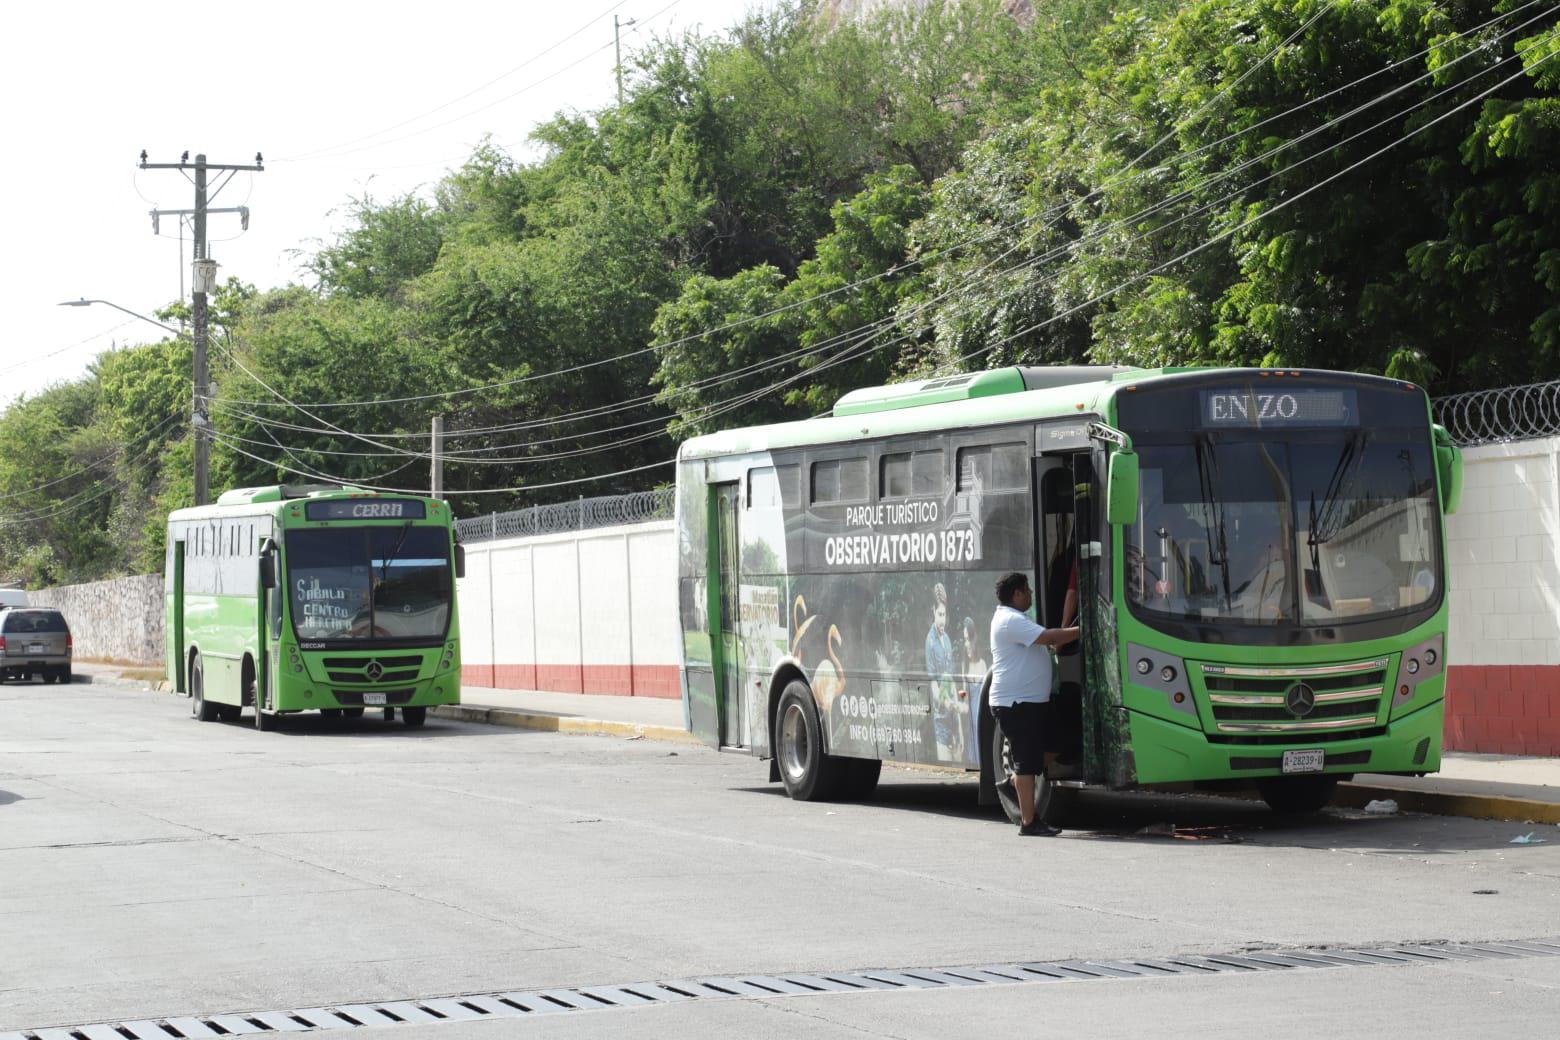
[528, 1003]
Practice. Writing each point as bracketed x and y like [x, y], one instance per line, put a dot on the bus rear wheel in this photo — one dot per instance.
[200, 707]
[808, 773]
[1052, 803]
[1297, 795]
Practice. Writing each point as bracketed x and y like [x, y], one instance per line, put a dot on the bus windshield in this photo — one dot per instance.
[369, 583]
[1320, 528]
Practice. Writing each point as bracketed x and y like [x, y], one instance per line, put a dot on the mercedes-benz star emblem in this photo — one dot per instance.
[374, 671]
[1300, 700]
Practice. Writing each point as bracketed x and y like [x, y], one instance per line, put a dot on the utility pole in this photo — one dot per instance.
[617, 52]
[438, 456]
[203, 279]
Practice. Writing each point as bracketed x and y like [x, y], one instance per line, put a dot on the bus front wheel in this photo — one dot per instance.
[414, 717]
[1296, 795]
[1052, 803]
[200, 707]
[809, 775]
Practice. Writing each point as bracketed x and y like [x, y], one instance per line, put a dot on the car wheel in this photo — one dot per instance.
[200, 708]
[414, 717]
[808, 773]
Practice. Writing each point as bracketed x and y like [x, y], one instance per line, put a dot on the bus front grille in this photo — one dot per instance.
[1304, 702]
[357, 669]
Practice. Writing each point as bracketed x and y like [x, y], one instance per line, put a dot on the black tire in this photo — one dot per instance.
[48, 678]
[65, 675]
[861, 778]
[808, 773]
[201, 709]
[331, 714]
[414, 717]
[1052, 803]
[352, 713]
[1297, 795]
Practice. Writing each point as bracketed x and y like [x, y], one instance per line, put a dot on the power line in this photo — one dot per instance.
[1068, 247]
[456, 100]
[336, 154]
[976, 240]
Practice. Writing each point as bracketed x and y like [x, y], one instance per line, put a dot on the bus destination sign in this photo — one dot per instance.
[365, 509]
[1257, 407]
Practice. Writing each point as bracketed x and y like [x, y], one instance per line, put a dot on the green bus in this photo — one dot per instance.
[313, 598]
[1258, 556]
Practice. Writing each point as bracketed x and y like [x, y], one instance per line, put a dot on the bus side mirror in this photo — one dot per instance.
[268, 563]
[1449, 464]
[1121, 492]
[460, 560]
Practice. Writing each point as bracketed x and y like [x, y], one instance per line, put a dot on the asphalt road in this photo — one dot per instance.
[154, 867]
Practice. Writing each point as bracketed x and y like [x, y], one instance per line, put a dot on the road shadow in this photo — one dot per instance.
[372, 723]
[1186, 820]
[7, 797]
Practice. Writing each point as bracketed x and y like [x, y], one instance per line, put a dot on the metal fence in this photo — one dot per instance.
[1509, 413]
[580, 515]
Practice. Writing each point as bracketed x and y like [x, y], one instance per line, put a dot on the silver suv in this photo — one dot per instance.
[34, 641]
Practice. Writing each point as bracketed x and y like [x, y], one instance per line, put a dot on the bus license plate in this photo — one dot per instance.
[372, 699]
[1304, 761]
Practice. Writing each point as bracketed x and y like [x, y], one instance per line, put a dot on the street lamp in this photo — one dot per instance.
[198, 419]
[84, 302]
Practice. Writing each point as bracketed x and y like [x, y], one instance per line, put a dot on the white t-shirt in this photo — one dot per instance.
[1020, 670]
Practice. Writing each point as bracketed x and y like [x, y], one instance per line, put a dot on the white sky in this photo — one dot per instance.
[88, 85]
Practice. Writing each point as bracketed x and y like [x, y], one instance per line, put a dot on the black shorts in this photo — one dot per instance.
[1025, 726]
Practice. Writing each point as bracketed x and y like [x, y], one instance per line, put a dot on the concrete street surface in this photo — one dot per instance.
[153, 867]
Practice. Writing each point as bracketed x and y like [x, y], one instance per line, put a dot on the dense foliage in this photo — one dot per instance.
[792, 209]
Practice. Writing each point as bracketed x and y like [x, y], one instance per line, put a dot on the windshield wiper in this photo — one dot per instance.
[384, 567]
[1207, 481]
[1326, 521]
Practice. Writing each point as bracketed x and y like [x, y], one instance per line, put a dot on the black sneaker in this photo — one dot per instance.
[1038, 828]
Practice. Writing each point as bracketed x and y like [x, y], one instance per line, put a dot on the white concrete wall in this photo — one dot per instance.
[1501, 546]
[584, 611]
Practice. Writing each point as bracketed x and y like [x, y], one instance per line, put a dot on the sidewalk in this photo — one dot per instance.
[1497, 787]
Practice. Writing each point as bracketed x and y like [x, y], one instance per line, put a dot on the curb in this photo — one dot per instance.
[1450, 803]
[561, 723]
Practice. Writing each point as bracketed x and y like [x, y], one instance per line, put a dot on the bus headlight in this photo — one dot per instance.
[1144, 665]
[1430, 656]
[1167, 673]
[1413, 666]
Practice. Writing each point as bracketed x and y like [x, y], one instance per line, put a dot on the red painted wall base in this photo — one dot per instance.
[1503, 709]
[639, 680]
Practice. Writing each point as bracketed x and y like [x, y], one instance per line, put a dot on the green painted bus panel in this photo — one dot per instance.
[1166, 753]
[930, 391]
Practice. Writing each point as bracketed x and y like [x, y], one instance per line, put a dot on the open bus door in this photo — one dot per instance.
[1106, 738]
[724, 593]
[176, 641]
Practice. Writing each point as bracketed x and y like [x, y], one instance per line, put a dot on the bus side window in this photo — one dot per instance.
[839, 481]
